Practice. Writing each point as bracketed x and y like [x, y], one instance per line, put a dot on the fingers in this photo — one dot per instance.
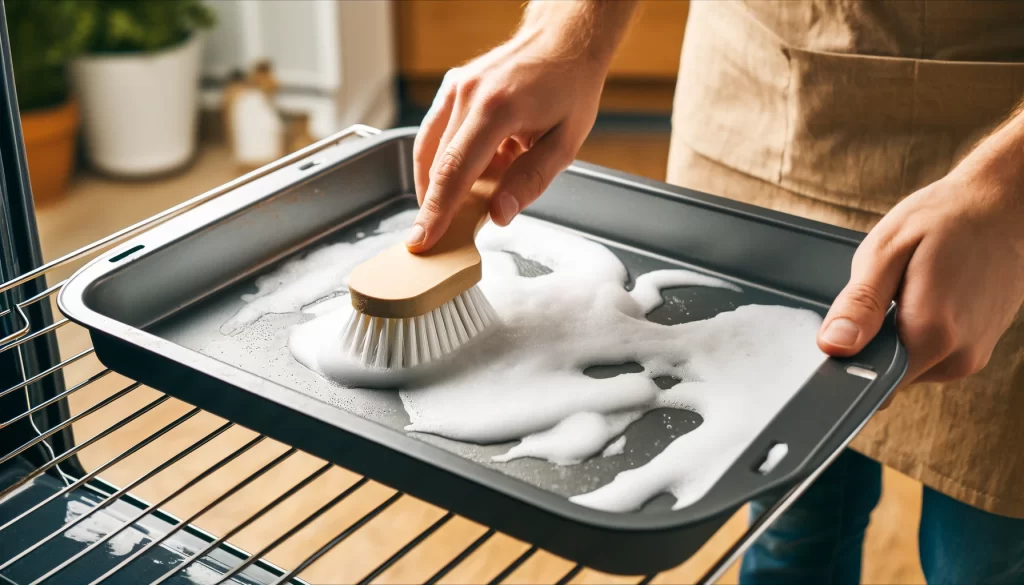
[431, 130]
[958, 365]
[457, 167]
[507, 153]
[531, 174]
[942, 339]
[858, 311]
[936, 354]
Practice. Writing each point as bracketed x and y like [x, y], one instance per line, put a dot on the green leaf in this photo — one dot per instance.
[147, 25]
[44, 36]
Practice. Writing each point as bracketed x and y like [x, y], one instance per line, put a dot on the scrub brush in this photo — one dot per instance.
[415, 309]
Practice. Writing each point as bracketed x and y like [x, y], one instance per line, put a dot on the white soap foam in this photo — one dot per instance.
[614, 448]
[574, 439]
[98, 525]
[200, 574]
[525, 380]
[315, 276]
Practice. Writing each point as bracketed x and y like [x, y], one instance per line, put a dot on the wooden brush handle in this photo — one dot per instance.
[398, 284]
[471, 216]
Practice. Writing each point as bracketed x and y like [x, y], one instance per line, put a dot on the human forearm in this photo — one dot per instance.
[591, 28]
[1001, 154]
[952, 257]
[996, 169]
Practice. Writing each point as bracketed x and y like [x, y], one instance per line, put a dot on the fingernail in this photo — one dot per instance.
[509, 207]
[842, 333]
[416, 235]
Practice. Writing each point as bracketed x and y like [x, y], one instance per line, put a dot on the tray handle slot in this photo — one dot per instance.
[127, 253]
[861, 371]
[774, 455]
[823, 417]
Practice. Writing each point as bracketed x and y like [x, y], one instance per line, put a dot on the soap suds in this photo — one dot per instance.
[525, 380]
[200, 574]
[616, 447]
[98, 525]
[572, 440]
[315, 276]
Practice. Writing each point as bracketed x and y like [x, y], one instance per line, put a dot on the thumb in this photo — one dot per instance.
[530, 175]
[859, 310]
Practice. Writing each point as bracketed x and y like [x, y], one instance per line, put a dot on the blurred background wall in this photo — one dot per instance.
[136, 89]
[436, 35]
[334, 61]
[379, 62]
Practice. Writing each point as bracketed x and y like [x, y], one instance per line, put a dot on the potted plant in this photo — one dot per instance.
[44, 37]
[139, 85]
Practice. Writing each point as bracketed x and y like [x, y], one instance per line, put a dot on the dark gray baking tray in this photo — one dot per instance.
[154, 306]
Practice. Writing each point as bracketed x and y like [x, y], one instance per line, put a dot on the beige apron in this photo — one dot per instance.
[834, 111]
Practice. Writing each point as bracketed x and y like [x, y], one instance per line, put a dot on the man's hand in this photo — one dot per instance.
[952, 257]
[519, 112]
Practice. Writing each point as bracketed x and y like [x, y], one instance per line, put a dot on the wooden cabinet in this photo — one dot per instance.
[436, 35]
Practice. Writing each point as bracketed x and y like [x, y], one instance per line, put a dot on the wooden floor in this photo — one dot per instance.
[97, 206]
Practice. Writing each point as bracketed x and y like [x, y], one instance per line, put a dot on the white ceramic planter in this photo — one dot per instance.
[140, 110]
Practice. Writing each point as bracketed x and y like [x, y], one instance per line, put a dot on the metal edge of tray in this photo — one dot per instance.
[156, 362]
[824, 457]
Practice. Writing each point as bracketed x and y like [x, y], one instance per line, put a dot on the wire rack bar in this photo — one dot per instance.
[259, 514]
[338, 539]
[514, 565]
[570, 575]
[70, 452]
[191, 483]
[55, 399]
[312, 518]
[75, 485]
[8, 340]
[391, 560]
[103, 504]
[70, 421]
[80, 481]
[219, 500]
[47, 372]
[20, 332]
[132, 485]
[27, 338]
[461, 557]
[38, 296]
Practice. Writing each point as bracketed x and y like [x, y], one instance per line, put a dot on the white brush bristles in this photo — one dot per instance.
[389, 344]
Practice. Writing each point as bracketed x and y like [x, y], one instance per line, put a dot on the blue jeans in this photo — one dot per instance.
[819, 539]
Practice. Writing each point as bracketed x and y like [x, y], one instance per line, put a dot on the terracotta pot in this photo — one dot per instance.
[50, 148]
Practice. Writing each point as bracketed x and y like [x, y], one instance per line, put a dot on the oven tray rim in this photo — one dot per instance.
[71, 301]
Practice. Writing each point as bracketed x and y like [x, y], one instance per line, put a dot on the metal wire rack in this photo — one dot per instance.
[35, 546]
